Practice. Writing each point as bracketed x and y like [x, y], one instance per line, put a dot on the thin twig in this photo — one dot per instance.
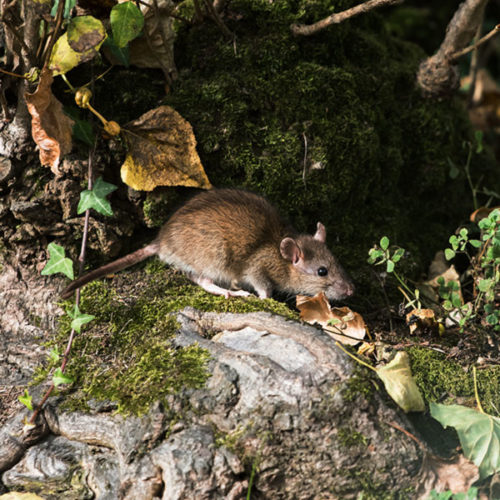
[218, 21]
[476, 44]
[59, 20]
[310, 29]
[11, 74]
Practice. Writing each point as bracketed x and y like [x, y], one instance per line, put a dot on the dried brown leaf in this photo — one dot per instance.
[162, 152]
[50, 127]
[436, 473]
[481, 213]
[341, 323]
[422, 321]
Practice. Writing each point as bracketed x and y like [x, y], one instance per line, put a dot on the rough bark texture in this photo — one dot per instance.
[281, 398]
[438, 75]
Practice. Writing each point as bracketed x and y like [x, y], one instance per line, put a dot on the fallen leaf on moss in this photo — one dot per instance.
[50, 127]
[162, 152]
[422, 322]
[400, 384]
[341, 323]
[436, 473]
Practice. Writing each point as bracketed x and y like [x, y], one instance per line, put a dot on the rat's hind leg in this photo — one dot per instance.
[208, 285]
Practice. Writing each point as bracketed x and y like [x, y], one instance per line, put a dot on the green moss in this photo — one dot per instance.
[349, 437]
[438, 377]
[358, 384]
[126, 354]
[375, 147]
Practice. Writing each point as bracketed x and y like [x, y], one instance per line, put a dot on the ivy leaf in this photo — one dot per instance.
[478, 432]
[126, 22]
[79, 318]
[96, 198]
[27, 400]
[400, 384]
[58, 263]
[60, 378]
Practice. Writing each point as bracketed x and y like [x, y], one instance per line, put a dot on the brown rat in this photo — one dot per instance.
[228, 238]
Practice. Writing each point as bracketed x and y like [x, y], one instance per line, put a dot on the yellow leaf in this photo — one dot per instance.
[400, 384]
[162, 152]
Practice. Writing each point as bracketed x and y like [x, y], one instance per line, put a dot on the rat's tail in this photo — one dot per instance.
[112, 267]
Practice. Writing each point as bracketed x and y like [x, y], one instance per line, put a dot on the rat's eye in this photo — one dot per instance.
[322, 271]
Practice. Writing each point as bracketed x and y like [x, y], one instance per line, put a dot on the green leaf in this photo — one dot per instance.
[58, 263]
[478, 432]
[484, 284]
[26, 400]
[83, 131]
[384, 243]
[60, 378]
[400, 384]
[70, 4]
[390, 266]
[126, 22]
[492, 319]
[449, 254]
[398, 254]
[54, 354]
[464, 233]
[475, 243]
[96, 198]
[456, 300]
[454, 242]
[79, 318]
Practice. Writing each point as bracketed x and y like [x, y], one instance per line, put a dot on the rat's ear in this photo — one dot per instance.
[320, 233]
[290, 250]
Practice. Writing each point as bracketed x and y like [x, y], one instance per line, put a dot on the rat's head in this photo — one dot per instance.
[313, 268]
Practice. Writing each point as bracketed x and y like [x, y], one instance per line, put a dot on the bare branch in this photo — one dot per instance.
[310, 29]
[480, 42]
[438, 75]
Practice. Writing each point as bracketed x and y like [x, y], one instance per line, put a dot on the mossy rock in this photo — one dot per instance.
[378, 154]
[126, 354]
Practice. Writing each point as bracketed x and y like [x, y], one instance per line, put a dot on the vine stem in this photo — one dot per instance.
[81, 263]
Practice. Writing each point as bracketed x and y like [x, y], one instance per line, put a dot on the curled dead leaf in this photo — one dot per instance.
[481, 213]
[162, 152]
[341, 323]
[50, 127]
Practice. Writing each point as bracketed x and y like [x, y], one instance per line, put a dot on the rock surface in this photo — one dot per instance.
[282, 401]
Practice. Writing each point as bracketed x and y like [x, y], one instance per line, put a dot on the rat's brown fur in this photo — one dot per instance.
[226, 238]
